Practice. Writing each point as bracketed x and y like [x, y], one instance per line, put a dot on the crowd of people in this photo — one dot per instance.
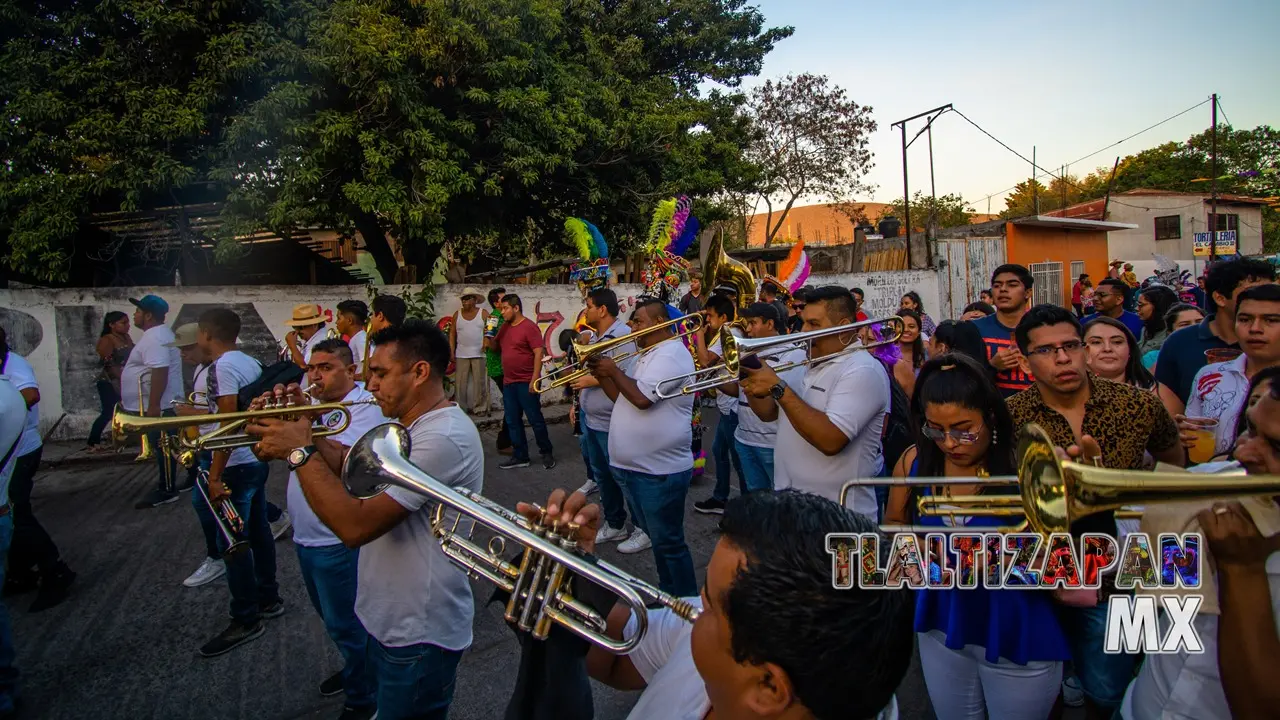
[1170, 384]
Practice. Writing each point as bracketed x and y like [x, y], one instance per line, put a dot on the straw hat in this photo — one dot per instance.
[184, 336]
[305, 315]
[473, 291]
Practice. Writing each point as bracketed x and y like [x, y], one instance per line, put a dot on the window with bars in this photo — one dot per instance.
[1226, 222]
[1169, 227]
[1047, 288]
[1077, 269]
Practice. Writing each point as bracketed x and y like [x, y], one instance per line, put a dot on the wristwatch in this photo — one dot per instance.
[777, 391]
[299, 456]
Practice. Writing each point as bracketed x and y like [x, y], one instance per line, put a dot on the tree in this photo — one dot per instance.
[1023, 200]
[811, 140]
[949, 211]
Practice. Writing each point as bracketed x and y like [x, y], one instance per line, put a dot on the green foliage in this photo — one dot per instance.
[949, 211]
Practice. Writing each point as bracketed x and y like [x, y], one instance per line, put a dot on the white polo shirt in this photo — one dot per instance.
[597, 408]
[308, 530]
[23, 377]
[1220, 391]
[151, 354]
[664, 658]
[853, 391]
[357, 344]
[658, 440]
[751, 429]
[725, 403]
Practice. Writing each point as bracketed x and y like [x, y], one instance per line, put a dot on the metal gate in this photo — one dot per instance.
[1048, 283]
[966, 264]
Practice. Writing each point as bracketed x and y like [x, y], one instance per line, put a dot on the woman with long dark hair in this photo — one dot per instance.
[1114, 355]
[911, 301]
[955, 336]
[984, 653]
[911, 348]
[1153, 302]
[114, 345]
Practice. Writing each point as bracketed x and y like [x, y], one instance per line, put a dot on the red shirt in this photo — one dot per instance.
[516, 344]
[860, 316]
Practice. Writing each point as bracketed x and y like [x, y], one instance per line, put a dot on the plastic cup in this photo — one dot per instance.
[1206, 439]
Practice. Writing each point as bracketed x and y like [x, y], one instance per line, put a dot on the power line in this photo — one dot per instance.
[1224, 112]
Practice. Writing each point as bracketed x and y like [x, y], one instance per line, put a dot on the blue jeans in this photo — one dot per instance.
[415, 682]
[108, 398]
[724, 452]
[586, 460]
[757, 466]
[611, 497]
[329, 573]
[1103, 678]
[251, 575]
[518, 403]
[657, 503]
[8, 655]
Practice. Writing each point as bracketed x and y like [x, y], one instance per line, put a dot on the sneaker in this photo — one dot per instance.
[208, 571]
[589, 487]
[332, 685]
[54, 588]
[154, 499]
[608, 534]
[281, 525]
[233, 637]
[273, 610]
[1072, 694]
[548, 462]
[364, 713]
[513, 463]
[638, 542]
[710, 506]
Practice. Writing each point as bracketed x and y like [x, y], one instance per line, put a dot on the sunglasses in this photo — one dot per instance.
[962, 437]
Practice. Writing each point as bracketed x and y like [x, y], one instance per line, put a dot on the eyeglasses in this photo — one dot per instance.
[962, 437]
[1071, 347]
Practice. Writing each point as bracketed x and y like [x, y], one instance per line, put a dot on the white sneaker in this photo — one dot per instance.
[208, 571]
[608, 534]
[589, 487]
[281, 526]
[638, 542]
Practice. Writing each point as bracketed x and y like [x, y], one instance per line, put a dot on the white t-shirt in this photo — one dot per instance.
[597, 408]
[308, 530]
[151, 354]
[357, 343]
[751, 429]
[1220, 390]
[23, 376]
[408, 592]
[200, 387]
[664, 658]
[853, 391]
[725, 403]
[659, 440]
[226, 376]
[12, 424]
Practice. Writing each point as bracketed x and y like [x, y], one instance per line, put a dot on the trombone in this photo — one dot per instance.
[735, 350]
[561, 376]
[540, 584]
[1054, 493]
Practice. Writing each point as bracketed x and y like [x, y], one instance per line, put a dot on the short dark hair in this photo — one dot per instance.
[722, 305]
[984, 308]
[664, 310]
[1115, 283]
[356, 309]
[1259, 293]
[1225, 276]
[335, 346]
[839, 301]
[605, 298]
[1082, 277]
[514, 301]
[985, 291]
[857, 291]
[222, 324]
[784, 592]
[801, 295]
[1024, 275]
[1043, 316]
[417, 341]
[494, 293]
[391, 307]
[769, 286]
[764, 311]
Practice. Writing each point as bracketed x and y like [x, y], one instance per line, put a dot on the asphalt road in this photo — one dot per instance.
[125, 644]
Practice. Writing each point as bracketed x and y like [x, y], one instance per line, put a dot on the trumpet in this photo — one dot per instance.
[735, 350]
[228, 520]
[540, 585]
[1054, 493]
[688, 324]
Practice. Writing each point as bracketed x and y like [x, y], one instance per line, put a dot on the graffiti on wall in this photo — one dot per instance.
[23, 331]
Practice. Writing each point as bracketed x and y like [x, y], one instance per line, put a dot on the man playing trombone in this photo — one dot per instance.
[415, 604]
[830, 424]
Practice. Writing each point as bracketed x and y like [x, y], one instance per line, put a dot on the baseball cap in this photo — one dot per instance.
[761, 310]
[151, 303]
[184, 336]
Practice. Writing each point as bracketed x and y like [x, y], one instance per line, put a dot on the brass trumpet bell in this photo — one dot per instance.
[688, 324]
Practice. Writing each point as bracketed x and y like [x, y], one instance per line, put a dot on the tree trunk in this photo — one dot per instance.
[375, 241]
[422, 255]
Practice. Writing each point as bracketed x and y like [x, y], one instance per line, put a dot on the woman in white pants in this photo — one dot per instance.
[984, 653]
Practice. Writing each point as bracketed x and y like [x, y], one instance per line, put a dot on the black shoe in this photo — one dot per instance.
[155, 498]
[548, 462]
[271, 611]
[363, 713]
[185, 486]
[332, 685]
[233, 637]
[710, 506]
[513, 463]
[54, 589]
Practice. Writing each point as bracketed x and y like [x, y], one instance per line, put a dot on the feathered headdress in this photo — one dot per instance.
[593, 271]
[671, 232]
[792, 272]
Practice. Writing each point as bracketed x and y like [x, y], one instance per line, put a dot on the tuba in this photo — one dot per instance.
[720, 269]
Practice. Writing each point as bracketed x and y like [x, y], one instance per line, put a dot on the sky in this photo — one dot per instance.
[1067, 79]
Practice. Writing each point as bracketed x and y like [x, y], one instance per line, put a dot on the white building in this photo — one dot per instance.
[1168, 222]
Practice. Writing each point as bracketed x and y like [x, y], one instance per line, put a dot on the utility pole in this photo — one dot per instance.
[906, 188]
[1035, 189]
[933, 193]
[1213, 182]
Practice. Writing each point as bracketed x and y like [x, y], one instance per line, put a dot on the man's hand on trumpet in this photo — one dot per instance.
[758, 382]
[278, 436]
[602, 366]
[563, 512]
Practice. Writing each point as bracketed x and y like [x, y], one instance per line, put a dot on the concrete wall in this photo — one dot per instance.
[1140, 246]
[57, 329]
